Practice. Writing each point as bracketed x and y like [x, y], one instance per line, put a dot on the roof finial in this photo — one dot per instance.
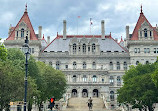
[141, 11]
[43, 36]
[121, 38]
[26, 7]
[57, 34]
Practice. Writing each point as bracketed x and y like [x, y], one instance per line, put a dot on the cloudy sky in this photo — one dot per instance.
[51, 13]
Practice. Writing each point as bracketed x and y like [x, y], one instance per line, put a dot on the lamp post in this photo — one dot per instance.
[25, 49]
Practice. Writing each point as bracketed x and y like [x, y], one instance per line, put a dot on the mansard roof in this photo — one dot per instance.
[25, 18]
[108, 44]
[142, 19]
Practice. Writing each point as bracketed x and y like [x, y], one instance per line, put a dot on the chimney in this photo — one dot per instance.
[40, 32]
[102, 30]
[127, 32]
[48, 39]
[64, 29]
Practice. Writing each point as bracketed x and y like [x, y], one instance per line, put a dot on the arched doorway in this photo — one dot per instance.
[95, 93]
[84, 93]
[74, 93]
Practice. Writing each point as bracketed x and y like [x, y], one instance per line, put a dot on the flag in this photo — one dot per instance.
[91, 23]
[78, 16]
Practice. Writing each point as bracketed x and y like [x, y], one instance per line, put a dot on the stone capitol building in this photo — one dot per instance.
[93, 64]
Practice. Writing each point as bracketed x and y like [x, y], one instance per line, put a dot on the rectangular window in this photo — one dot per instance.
[66, 66]
[135, 50]
[88, 49]
[144, 50]
[17, 33]
[148, 50]
[32, 50]
[154, 50]
[157, 50]
[138, 50]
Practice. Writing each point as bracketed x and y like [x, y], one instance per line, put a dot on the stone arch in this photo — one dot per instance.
[74, 93]
[95, 93]
[84, 93]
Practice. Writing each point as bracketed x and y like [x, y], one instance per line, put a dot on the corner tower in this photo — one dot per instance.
[18, 34]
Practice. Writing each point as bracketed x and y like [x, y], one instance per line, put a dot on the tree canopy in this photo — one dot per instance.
[43, 81]
[3, 52]
[138, 89]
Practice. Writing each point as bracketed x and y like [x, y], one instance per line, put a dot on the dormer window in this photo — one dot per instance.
[145, 32]
[140, 33]
[17, 33]
[22, 32]
[150, 34]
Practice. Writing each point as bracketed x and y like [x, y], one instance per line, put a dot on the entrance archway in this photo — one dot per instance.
[74, 93]
[84, 93]
[95, 93]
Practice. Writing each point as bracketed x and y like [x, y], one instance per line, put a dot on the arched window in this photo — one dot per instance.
[137, 62]
[57, 65]
[84, 78]
[74, 78]
[94, 65]
[22, 32]
[50, 63]
[118, 80]
[84, 65]
[118, 65]
[93, 48]
[111, 80]
[94, 78]
[147, 62]
[111, 66]
[74, 65]
[145, 32]
[112, 95]
[84, 48]
[74, 48]
[125, 65]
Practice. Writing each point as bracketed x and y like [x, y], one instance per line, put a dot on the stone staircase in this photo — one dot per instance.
[80, 104]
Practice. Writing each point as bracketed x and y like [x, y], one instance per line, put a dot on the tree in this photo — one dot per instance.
[53, 83]
[3, 52]
[155, 74]
[12, 79]
[138, 89]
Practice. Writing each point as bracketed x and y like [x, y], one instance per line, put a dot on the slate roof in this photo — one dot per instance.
[108, 44]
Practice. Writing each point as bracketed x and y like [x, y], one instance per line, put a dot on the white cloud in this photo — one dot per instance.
[6, 18]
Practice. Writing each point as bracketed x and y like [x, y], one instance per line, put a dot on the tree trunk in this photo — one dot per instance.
[40, 106]
[150, 108]
[140, 109]
[29, 106]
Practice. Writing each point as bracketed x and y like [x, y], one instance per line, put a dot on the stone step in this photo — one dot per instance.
[80, 104]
